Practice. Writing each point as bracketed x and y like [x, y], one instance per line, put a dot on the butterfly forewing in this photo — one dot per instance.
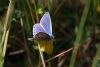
[45, 22]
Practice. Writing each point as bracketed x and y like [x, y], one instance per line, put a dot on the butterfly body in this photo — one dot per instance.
[41, 36]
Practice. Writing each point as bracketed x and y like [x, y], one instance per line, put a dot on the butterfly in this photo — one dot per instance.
[42, 33]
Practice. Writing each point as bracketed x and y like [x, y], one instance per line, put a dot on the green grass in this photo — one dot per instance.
[79, 34]
[16, 28]
[4, 39]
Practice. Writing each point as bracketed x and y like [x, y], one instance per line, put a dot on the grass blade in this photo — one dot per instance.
[79, 33]
[4, 40]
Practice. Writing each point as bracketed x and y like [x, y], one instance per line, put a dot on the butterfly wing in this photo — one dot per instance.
[36, 29]
[45, 22]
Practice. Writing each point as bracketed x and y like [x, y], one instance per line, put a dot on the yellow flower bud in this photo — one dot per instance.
[46, 46]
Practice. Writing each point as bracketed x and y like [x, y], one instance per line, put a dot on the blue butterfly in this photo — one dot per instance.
[44, 28]
[42, 32]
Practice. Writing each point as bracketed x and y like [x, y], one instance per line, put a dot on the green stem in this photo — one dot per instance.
[4, 49]
[7, 24]
[8, 18]
[41, 55]
[50, 2]
[97, 57]
[30, 9]
[49, 63]
[39, 64]
[79, 33]
[27, 21]
[36, 12]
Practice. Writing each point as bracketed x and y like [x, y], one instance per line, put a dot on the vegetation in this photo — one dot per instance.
[76, 31]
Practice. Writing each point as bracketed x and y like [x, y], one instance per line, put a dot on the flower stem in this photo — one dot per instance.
[41, 55]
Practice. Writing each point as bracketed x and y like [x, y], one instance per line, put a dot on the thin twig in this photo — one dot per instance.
[36, 11]
[30, 11]
[59, 6]
[25, 44]
[58, 55]
[60, 29]
[16, 52]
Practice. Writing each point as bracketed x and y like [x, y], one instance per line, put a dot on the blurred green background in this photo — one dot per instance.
[66, 16]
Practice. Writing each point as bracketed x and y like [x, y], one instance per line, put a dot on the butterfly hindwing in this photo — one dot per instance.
[37, 28]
